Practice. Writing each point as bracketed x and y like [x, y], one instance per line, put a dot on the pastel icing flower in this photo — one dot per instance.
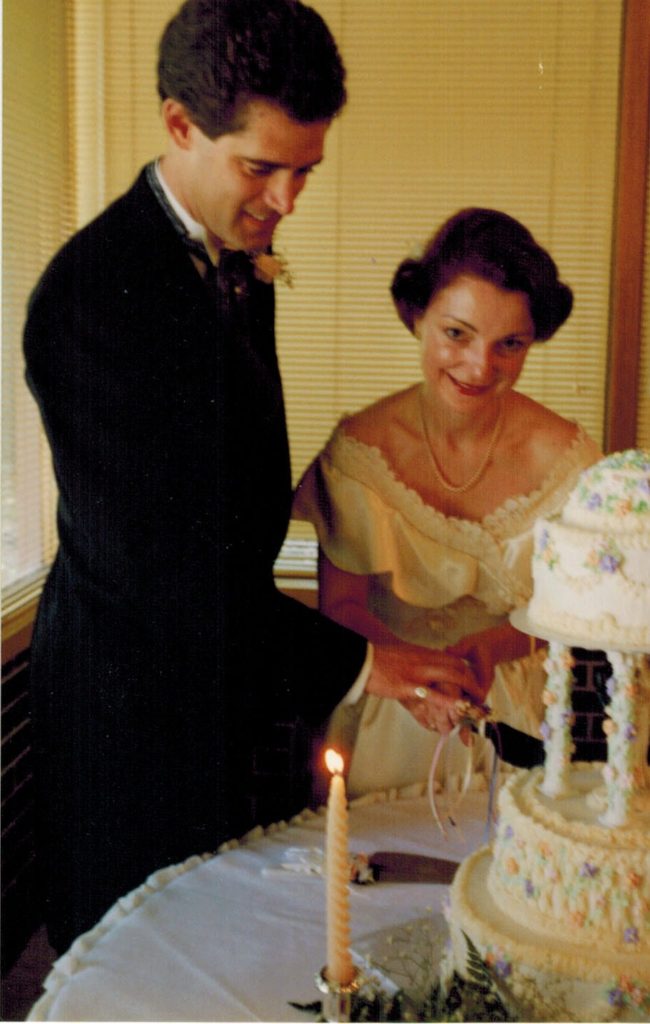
[567, 660]
[609, 727]
[552, 874]
[615, 997]
[549, 697]
[577, 918]
[606, 558]
[630, 731]
[544, 850]
[529, 888]
[568, 718]
[609, 563]
[608, 773]
[610, 686]
[545, 731]
[508, 832]
[637, 996]
[644, 485]
[588, 870]
[631, 935]
[623, 507]
[594, 501]
[511, 866]
[502, 968]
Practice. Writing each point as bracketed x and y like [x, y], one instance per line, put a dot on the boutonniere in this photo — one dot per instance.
[270, 267]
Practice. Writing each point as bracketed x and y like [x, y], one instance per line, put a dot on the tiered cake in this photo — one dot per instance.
[559, 905]
[591, 567]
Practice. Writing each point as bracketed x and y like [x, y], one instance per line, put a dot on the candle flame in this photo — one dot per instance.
[334, 761]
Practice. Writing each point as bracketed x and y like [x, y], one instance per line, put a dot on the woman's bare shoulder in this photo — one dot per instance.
[545, 433]
[543, 424]
[375, 424]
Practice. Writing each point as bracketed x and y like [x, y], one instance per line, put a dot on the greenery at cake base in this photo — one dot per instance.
[478, 997]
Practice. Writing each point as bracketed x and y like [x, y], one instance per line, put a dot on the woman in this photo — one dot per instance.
[424, 502]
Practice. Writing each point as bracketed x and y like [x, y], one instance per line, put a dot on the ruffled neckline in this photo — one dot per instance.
[368, 463]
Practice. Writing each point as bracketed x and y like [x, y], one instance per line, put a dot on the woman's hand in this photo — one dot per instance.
[483, 651]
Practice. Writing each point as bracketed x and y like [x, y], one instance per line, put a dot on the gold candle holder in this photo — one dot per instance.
[338, 1000]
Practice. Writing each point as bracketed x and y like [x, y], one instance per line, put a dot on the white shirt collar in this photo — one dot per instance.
[194, 229]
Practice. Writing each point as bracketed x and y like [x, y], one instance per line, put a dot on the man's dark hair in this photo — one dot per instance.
[215, 56]
[495, 247]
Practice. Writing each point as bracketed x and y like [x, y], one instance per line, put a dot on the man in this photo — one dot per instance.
[162, 649]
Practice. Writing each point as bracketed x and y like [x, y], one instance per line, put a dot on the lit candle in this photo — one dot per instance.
[340, 970]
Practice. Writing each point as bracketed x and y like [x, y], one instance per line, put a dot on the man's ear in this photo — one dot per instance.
[177, 122]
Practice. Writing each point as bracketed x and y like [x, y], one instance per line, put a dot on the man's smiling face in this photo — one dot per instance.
[241, 184]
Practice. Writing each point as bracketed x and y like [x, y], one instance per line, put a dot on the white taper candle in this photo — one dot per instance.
[340, 969]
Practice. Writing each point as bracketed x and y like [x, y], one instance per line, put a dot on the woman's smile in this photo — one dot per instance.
[475, 337]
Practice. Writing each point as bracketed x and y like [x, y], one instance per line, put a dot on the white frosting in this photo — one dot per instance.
[561, 903]
[591, 562]
[592, 585]
[616, 491]
[559, 906]
[556, 868]
[549, 978]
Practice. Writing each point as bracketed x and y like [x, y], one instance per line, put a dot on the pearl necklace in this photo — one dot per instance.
[460, 488]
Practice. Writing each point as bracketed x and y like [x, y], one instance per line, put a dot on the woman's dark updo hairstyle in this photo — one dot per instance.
[493, 246]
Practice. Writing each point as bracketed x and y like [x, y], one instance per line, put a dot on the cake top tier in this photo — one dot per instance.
[613, 494]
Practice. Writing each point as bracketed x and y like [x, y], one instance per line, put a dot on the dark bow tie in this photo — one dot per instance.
[231, 278]
[233, 270]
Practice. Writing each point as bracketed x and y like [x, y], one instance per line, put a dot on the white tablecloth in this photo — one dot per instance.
[234, 937]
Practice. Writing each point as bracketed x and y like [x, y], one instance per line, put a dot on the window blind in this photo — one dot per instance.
[511, 105]
[36, 220]
[505, 103]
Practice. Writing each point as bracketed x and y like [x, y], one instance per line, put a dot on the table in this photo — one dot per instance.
[234, 937]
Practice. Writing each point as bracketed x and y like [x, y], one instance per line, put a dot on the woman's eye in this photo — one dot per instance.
[512, 345]
[454, 333]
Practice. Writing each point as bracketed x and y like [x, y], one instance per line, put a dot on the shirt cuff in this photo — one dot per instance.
[359, 686]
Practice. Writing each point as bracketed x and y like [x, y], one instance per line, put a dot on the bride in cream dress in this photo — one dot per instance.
[424, 502]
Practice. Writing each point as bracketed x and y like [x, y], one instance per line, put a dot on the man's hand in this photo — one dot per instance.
[427, 683]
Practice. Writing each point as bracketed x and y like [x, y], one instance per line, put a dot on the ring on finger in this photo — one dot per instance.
[421, 692]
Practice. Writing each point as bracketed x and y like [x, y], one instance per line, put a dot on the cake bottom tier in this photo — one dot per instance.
[547, 978]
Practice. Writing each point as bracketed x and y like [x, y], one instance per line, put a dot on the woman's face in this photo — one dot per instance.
[474, 340]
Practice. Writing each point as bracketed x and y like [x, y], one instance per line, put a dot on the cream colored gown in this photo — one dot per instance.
[433, 580]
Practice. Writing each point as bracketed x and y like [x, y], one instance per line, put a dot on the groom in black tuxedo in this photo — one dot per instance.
[162, 648]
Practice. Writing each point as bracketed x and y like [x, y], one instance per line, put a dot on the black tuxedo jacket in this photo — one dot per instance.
[162, 646]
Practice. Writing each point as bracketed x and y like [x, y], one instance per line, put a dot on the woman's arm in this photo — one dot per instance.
[486, 649]
[343, 596]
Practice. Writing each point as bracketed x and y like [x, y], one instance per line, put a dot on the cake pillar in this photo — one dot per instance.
[626, 772]
[556, 728]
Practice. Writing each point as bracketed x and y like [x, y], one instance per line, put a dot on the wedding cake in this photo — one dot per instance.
[559, 904]
[591, 563]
